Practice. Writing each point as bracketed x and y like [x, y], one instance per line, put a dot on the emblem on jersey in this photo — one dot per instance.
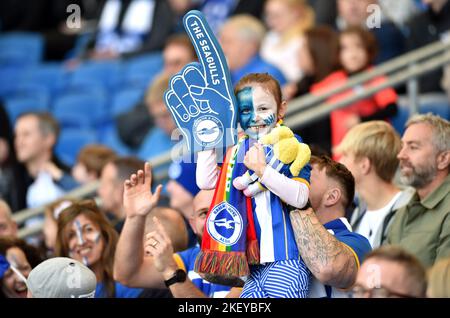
[224, 224]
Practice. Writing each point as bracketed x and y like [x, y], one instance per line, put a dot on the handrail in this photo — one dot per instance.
[313, 114]
[83, 191]
[303, 104]
[382, 69]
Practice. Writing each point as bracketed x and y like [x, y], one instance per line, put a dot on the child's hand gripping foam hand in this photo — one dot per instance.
[283, 153]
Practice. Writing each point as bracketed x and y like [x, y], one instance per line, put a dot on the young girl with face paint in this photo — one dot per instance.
[280, 272]
[357, 52]
[85, 234]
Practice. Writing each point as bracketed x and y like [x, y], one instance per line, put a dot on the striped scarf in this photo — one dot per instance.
[229, 242]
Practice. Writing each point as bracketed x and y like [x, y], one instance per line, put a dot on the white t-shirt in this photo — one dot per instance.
[283, 55]
[372, 221]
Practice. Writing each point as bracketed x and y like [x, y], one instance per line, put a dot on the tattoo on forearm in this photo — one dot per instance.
[321, 250]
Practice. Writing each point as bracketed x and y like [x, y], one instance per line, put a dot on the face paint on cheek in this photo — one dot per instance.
[13, 260]
[79, 232]
[246, 109]
[14, 267]
[268, 119]
[96, 237]
[80, 239]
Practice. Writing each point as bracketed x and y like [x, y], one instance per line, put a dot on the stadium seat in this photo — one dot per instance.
[111, 139]
[125, 99]
[436, 103]
[399, 120]
[10, 77]
[18, 105]
[25, 98]
[21, 48]
[139, 71]
[88, 109]
[107, 73]
[51, 75]
[71, 141]
[36, 91]
[86, 86]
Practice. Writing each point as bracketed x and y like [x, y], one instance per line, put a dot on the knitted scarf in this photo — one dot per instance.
[229, 241]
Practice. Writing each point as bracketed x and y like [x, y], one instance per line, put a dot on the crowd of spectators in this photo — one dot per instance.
[378, 197]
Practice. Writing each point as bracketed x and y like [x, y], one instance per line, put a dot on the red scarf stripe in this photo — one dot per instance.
[219, 196]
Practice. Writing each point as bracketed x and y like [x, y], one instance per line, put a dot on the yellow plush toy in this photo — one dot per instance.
[284, 153]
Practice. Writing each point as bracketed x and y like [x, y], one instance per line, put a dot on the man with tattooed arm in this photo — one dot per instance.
[331, 251]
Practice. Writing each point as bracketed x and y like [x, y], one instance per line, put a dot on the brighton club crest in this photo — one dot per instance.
[224, 224]
[208, 131]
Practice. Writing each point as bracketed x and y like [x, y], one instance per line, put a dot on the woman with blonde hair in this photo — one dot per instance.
[286, 20]
[85, 235]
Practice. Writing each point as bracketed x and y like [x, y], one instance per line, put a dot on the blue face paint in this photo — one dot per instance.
[257, 108]
[245, 107]
[79, 232]
[97, 237]
[80, 239]
[269, 120]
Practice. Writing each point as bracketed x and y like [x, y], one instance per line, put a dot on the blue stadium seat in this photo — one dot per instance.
[125, 99]
[111, 139]
[436, 103]
[140, 71]
[18, 105]
[36, 91]
[71, 141]
[52, 75]
[399, 120]
[107, 73]
[86, 86]
[10, 77]
[87, 109]
[25, 98]
[21, 48]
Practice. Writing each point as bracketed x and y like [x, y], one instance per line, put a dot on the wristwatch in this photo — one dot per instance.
[178, 277]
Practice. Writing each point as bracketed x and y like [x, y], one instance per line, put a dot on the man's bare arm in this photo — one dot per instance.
[186, 289]
[330, 261]
[131, 268]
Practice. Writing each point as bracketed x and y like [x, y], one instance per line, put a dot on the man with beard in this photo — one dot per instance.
[423, 226]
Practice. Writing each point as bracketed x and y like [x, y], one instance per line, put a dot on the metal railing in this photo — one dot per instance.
[406, 60]
[403, 69]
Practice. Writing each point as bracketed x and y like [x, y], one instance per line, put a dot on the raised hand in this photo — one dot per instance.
[200, 97]
[159, 245]
[138, 198]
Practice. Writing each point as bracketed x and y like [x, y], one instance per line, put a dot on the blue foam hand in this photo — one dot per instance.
[4, 266]
[200, 97]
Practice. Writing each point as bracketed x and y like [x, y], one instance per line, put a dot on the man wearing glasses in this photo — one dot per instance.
[390, 272]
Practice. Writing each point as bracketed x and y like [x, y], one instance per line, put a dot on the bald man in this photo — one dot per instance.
[173, 223]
